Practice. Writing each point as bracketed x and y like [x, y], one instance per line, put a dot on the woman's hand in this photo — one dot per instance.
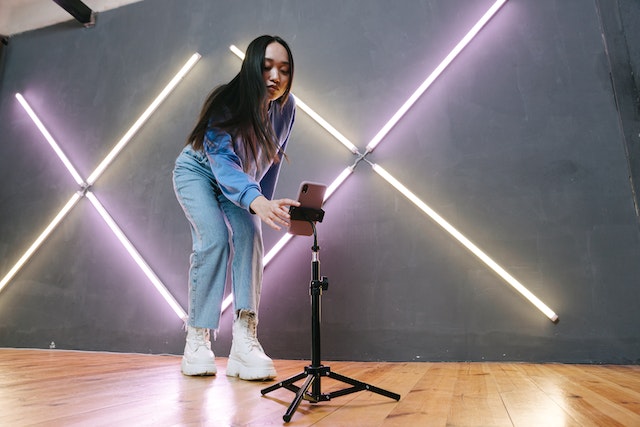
[274, 213]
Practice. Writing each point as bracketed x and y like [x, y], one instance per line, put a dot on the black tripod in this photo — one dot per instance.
[316, 370]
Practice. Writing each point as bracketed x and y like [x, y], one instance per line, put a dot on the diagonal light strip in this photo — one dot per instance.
[315, 116]
[398, 115]
[322, 122]
[143, 118]
[96, 173]
[136, 256]
[338, 182]
[466, 243]
[434, 75]
[41, 238]
[43, 130]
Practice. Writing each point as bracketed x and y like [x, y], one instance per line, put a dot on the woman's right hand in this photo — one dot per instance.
[274, 213]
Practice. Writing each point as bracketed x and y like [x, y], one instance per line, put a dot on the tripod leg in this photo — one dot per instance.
[296, 401]
[288, 384]
[359, 386]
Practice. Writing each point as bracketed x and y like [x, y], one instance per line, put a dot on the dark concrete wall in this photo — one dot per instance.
[520, 144]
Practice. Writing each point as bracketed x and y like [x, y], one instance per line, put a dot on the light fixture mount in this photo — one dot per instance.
[80, 11]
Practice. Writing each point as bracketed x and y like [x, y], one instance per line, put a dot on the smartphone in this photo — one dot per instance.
[310, 196]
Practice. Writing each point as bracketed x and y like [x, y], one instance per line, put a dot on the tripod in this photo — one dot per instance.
[316, 370]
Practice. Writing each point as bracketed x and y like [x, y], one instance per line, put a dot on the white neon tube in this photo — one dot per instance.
[226, 303]
[65, 160]
[467, 243]
[337, 182]
[41, 238]
[315, 116]
[434, 75]
[237, 52]
[276, 248]
[136, 256]
[325, 124]
[143, 118]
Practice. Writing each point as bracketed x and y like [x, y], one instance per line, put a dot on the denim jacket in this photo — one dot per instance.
[227, 159]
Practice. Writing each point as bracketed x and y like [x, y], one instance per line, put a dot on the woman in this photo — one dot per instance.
[224, 179]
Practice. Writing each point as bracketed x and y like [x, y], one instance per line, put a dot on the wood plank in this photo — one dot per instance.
[576, 392]
[429, 400]
[56, 387]
[476, 400]
[526, 402]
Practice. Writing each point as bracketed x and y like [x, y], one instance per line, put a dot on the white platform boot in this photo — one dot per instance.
[198, 358]
[247, 359]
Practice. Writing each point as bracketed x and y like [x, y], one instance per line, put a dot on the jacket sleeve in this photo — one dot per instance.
[226, 166]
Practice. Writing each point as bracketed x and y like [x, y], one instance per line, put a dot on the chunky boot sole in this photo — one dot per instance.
[236, 368]
[197, 369]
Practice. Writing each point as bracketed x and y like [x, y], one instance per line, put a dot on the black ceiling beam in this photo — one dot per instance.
[80, 11]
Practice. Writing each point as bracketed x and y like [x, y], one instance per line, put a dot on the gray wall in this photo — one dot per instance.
[519, 144]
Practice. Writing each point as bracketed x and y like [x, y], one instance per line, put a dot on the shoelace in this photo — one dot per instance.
[252, 336]
[200, 338]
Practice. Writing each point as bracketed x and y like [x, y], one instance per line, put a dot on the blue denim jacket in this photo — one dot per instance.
[227, 159]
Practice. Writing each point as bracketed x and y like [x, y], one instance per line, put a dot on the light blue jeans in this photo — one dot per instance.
[214, 219]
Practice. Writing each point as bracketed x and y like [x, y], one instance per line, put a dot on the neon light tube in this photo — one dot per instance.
[65, 160]
[136, 256]
[322, 122]
[337, 182]
[226, 303]
[276, 248]
[143, 118]
[434, 75]
[236, 51]
[41, 238]
[315, 116]
[467, 243]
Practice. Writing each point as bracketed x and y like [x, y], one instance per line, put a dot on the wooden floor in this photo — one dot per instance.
[64, 388]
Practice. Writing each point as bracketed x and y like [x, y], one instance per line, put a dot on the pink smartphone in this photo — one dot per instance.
[310, 196]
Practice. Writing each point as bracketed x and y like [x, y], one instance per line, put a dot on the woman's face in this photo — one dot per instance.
[275, 70]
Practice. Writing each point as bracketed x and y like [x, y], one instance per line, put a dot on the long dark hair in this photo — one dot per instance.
[238, 107]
